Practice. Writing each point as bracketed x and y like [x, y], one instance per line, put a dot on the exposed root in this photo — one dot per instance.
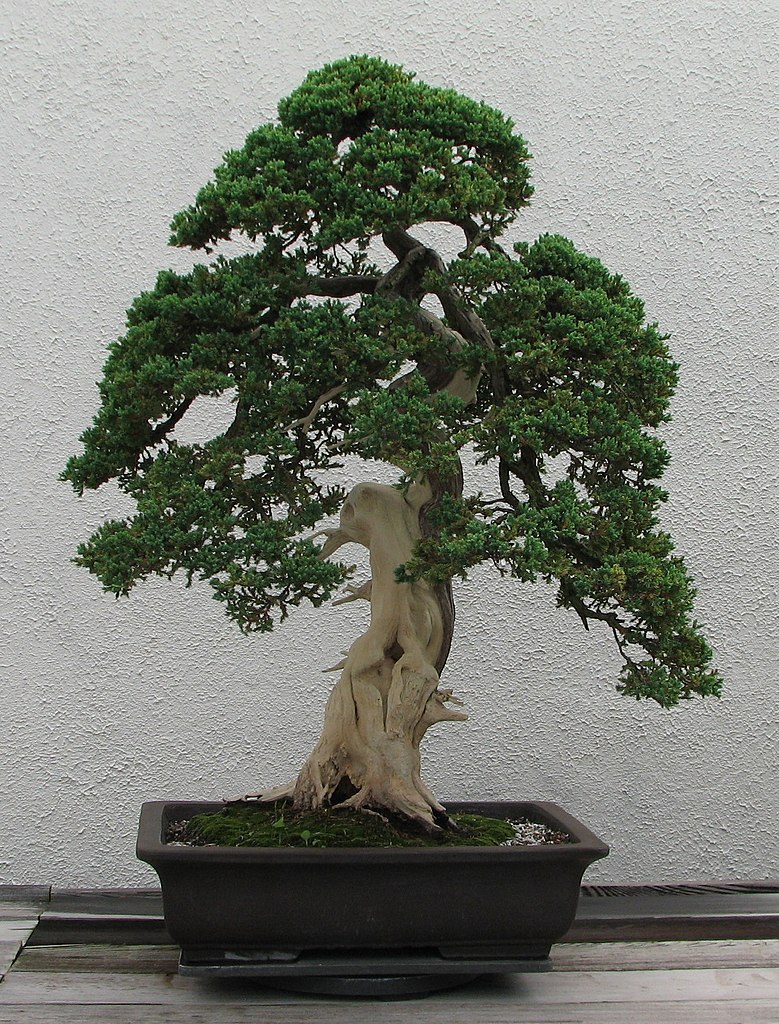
[363, 810]
[266, 796]
[403, 805]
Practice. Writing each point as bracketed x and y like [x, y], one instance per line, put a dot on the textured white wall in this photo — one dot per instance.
[654, 134]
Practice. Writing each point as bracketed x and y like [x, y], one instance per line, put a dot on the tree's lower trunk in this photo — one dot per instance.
[387, 696]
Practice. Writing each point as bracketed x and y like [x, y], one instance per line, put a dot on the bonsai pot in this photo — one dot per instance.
[287, 912]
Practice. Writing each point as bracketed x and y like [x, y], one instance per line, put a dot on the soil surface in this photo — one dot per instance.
[279, 825]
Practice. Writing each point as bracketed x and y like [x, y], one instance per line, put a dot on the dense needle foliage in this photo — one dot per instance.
[306, 333]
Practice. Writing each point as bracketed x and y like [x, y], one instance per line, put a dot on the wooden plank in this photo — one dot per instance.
[18, 911]
[9, 948]
[63, 928]
[653, 915]
[613, 956]
[93, 930]
[121, 902]
[18, 902]
[38, 987]
[10, 930]
[121, 959]
[13, 935]
[743, 986]
[654, 903]
[764, 885]
[674, 928]
[658, 956]
[135, 916]
[24, 893]
[80, 892]
[428, 1011]
[638, 902]
[128, 916]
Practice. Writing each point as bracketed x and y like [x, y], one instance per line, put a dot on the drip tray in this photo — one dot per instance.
[387, 974]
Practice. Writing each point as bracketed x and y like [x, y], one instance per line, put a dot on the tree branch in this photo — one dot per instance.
[167, 425]
[477, 237]
[306, 421]
[404, 279]
[341, 287]
[464, 320]
[505, 484]
[401, 243]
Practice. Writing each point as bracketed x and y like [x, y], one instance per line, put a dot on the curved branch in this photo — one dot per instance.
[341, 287]
[463, 320]
[404, 280]
[401, 243]
[477, 238]
[618, 626]
[528, 472]
[159, 432]
[504, 472]
[305, 421]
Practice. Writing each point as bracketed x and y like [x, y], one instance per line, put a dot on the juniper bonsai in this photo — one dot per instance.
[535, 357]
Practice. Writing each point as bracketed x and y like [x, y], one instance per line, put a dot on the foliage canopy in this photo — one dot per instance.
[307, 332]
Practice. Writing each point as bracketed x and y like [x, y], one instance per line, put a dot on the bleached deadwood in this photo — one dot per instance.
[387, 695]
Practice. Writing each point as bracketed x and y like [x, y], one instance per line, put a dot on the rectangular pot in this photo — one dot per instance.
[456, 902]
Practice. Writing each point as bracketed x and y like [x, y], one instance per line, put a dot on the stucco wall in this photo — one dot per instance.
[653, 129]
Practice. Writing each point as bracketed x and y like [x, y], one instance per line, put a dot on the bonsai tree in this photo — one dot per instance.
[341, 331]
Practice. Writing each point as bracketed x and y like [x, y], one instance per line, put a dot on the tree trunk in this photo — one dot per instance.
[387, 696]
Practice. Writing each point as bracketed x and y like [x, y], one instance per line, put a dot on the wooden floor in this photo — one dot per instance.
[641, 956]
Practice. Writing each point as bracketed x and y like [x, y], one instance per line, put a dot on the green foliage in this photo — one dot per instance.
[586, 377]
[361, 148]
[305, 334]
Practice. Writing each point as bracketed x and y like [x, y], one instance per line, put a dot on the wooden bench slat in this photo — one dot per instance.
[13, 935]
[659, 956]
[425, 1012]
[743, 986]
[12, 930]
[678, 927]
[123, 959]
[602, 976]
[130, 902]
[653, 903]
[636, 902]
[613, 956]
[24, 893]
[18, 910]
[9, 948]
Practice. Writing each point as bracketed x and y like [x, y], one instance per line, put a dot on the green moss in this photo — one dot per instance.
[279, 825]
